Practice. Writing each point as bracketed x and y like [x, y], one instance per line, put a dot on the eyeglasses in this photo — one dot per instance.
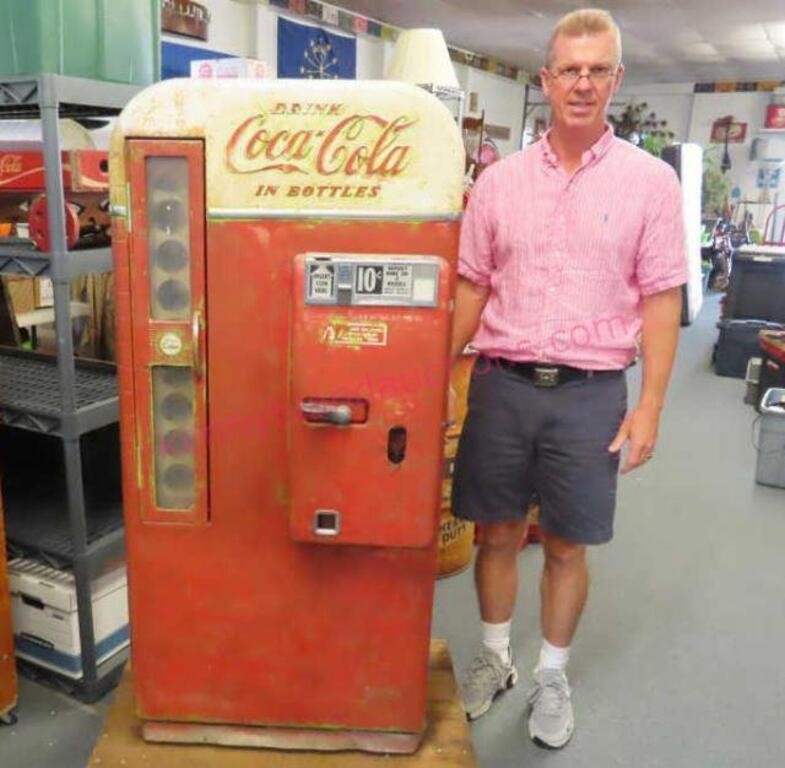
[597, 74]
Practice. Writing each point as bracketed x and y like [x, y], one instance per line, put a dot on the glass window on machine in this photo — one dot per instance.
[169, 238]
[173, 432]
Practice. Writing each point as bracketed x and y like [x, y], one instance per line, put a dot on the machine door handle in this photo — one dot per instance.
[196, 346]
[339, 414]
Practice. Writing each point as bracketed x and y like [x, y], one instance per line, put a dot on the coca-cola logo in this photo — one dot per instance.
[345, 142]
[10, 164]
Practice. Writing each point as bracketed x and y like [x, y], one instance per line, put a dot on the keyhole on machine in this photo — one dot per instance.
[396, 444]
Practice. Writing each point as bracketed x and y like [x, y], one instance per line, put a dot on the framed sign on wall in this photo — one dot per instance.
[186, 18]
[724, 130]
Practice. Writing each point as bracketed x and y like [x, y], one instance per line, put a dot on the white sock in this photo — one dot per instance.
[497, 638]
[552, 657]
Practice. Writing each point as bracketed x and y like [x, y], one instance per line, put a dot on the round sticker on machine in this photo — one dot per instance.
[170, 344]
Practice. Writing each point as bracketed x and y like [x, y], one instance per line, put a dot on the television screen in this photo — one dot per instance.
[757, 288]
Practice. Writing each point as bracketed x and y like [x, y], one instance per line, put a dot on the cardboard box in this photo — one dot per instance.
[28, 293]
[44, 292]
[21, 292]
[211, 68]
[46, 623]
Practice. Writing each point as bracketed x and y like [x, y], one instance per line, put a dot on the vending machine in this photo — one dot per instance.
[284, 255]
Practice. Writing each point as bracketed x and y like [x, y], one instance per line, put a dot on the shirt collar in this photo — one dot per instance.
[592, 154]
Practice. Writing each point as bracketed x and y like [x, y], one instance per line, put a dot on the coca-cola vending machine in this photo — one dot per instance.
[284, 257]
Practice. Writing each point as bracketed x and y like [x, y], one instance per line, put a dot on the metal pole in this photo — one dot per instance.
[65, 365]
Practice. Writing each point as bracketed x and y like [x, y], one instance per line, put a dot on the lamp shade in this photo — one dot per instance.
[421, 57]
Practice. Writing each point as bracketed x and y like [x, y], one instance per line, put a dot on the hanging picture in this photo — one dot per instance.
[308, 51]
[186, 18]
[736, 132]
[768, 177]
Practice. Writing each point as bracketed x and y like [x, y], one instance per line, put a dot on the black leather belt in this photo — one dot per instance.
[547, 374]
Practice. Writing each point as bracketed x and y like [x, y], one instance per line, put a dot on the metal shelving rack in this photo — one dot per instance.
[69, 398]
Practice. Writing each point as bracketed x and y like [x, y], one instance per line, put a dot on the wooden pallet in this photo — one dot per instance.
[446, 744]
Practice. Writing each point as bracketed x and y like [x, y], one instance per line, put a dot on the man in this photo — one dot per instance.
[571, 255]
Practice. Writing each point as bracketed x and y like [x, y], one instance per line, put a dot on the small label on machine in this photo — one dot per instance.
[170, 344]
[347, 280]
[321, 281]
[397, 280]
[355, 333]
[384, 280]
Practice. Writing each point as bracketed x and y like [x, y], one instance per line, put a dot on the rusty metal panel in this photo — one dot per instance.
[374, 482]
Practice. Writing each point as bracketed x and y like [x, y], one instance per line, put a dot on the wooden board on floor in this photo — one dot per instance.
[447, 742]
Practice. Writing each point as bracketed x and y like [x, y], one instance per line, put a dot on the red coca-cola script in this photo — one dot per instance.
[361, 145]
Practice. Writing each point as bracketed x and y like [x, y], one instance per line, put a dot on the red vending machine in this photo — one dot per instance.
[284, 266]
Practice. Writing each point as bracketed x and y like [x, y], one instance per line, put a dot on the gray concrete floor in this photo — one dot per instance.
[53, 730]
[677, 659]
[676, 663]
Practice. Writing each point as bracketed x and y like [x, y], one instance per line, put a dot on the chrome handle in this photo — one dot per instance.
[196, 346]
[338, 414]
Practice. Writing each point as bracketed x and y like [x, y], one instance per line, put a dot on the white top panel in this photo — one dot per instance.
[762, 250]
[290, 146]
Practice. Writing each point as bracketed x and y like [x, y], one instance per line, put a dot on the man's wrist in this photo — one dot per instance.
[651, 403]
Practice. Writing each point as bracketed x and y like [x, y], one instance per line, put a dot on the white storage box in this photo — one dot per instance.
[45, 619]
[209, 68]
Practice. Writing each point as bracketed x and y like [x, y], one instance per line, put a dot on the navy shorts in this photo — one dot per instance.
[519, 438]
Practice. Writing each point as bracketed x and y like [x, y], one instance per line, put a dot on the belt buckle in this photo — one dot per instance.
[546, 377]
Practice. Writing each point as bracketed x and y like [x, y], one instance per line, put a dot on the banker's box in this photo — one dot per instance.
[28, 293]
[45, 617]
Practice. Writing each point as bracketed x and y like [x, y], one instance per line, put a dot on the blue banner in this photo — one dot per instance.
[176, 59]
[306, 51]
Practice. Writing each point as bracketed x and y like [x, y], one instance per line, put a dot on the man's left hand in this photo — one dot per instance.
[640, 429]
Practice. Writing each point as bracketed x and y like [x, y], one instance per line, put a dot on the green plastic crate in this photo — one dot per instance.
[117, 40]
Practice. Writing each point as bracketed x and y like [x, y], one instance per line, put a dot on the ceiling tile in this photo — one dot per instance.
[657, 35]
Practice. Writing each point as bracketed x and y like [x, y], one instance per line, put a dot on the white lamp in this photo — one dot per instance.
[421, 57]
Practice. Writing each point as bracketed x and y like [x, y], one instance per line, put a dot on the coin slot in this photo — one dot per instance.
[396, 444]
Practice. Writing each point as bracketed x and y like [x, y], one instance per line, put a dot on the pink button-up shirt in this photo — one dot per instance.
[567, 258]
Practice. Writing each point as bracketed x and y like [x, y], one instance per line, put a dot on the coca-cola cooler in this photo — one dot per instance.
[284, 257]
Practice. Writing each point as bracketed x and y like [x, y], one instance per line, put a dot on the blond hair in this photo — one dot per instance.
[585, 21]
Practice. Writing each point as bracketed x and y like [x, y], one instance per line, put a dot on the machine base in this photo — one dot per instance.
[447, 741]
[262, 737]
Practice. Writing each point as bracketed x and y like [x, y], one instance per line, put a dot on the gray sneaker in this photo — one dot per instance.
[487, 677]
[551, 721]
